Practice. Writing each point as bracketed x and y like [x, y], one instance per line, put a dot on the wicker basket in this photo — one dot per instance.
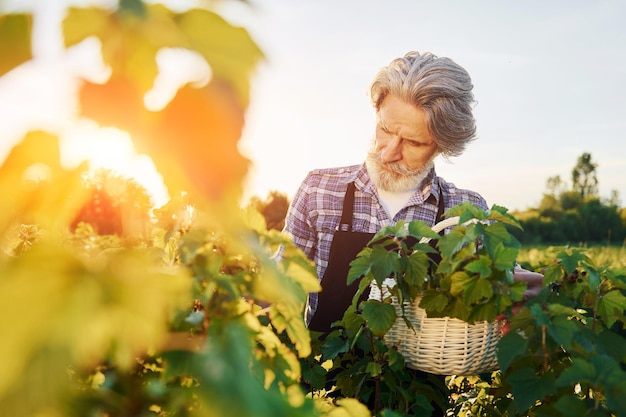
[442, 346]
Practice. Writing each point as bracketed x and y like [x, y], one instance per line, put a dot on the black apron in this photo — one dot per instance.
[336, 296]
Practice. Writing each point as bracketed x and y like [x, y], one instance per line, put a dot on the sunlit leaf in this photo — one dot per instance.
[229, 50]
[349, 407]
[501, 214]
[193, 140]
[460, 281]
[420, 229]
[129, 42]
[15, 40]
[36, 188]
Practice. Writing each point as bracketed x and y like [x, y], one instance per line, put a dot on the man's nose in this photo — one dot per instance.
[392, 151]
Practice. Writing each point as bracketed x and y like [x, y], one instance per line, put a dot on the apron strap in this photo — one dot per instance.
[345, 224]
[440, 208]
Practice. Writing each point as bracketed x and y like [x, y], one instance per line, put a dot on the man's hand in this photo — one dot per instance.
[534, 282]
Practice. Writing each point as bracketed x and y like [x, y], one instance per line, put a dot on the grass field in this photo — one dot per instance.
[538, 256]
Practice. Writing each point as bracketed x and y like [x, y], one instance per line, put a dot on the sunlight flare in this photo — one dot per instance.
[111, 148]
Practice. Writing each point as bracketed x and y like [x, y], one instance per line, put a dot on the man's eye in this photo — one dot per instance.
[412, 143]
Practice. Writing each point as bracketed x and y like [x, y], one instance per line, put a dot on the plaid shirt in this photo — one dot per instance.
[315, 210]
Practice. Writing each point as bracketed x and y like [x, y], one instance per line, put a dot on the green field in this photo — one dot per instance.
[536, 257]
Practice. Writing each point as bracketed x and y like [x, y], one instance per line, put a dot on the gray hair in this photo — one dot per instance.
[438, 85]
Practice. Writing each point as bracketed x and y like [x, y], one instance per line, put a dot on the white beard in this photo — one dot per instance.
[394, 177]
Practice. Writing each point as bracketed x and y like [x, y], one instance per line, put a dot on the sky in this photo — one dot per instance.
[549, 79]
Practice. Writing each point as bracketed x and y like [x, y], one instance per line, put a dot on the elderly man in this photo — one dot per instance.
[423, 109]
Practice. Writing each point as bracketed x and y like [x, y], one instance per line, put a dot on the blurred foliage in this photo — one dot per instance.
[15, 40]
[116, 205]
[273, 209]
[193, 140]
[111, 308]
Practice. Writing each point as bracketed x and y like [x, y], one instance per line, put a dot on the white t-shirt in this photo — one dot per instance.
[393, 202]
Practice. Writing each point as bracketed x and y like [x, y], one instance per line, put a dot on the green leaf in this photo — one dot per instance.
[481, 266]
[478, 290]
[612, 344]
[500, 214]
[570, 405]
[517, 290]
[334, 347]
[459, 310]
[528, 388]
[452, 242]
[578, 372]
[420, 229]
[482, 312]
[563, 330]
[496, 233]
[360, 266]
[511, 346]
[383, 262]
[15, 40]
[553, 273]
[504, 258]
[611, 306]
[434, 301]
[571, 260]
[374, 369]
[467, 211]
[460, 282]
[416, 268]
[380, 317]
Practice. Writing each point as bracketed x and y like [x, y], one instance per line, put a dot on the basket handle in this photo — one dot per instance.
[450, 221]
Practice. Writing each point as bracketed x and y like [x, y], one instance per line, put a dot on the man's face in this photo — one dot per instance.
[403, 150]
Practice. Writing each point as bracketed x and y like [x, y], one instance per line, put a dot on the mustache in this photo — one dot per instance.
[393, 166]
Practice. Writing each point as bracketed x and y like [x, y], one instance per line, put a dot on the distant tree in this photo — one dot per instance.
[555, 185]
[600, 223]
[614, 200]
[570, 200]
[584, 179]
[273, 208]
[550, 206]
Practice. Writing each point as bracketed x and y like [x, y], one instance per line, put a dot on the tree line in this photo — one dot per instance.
[567, 214]
[574, 214]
